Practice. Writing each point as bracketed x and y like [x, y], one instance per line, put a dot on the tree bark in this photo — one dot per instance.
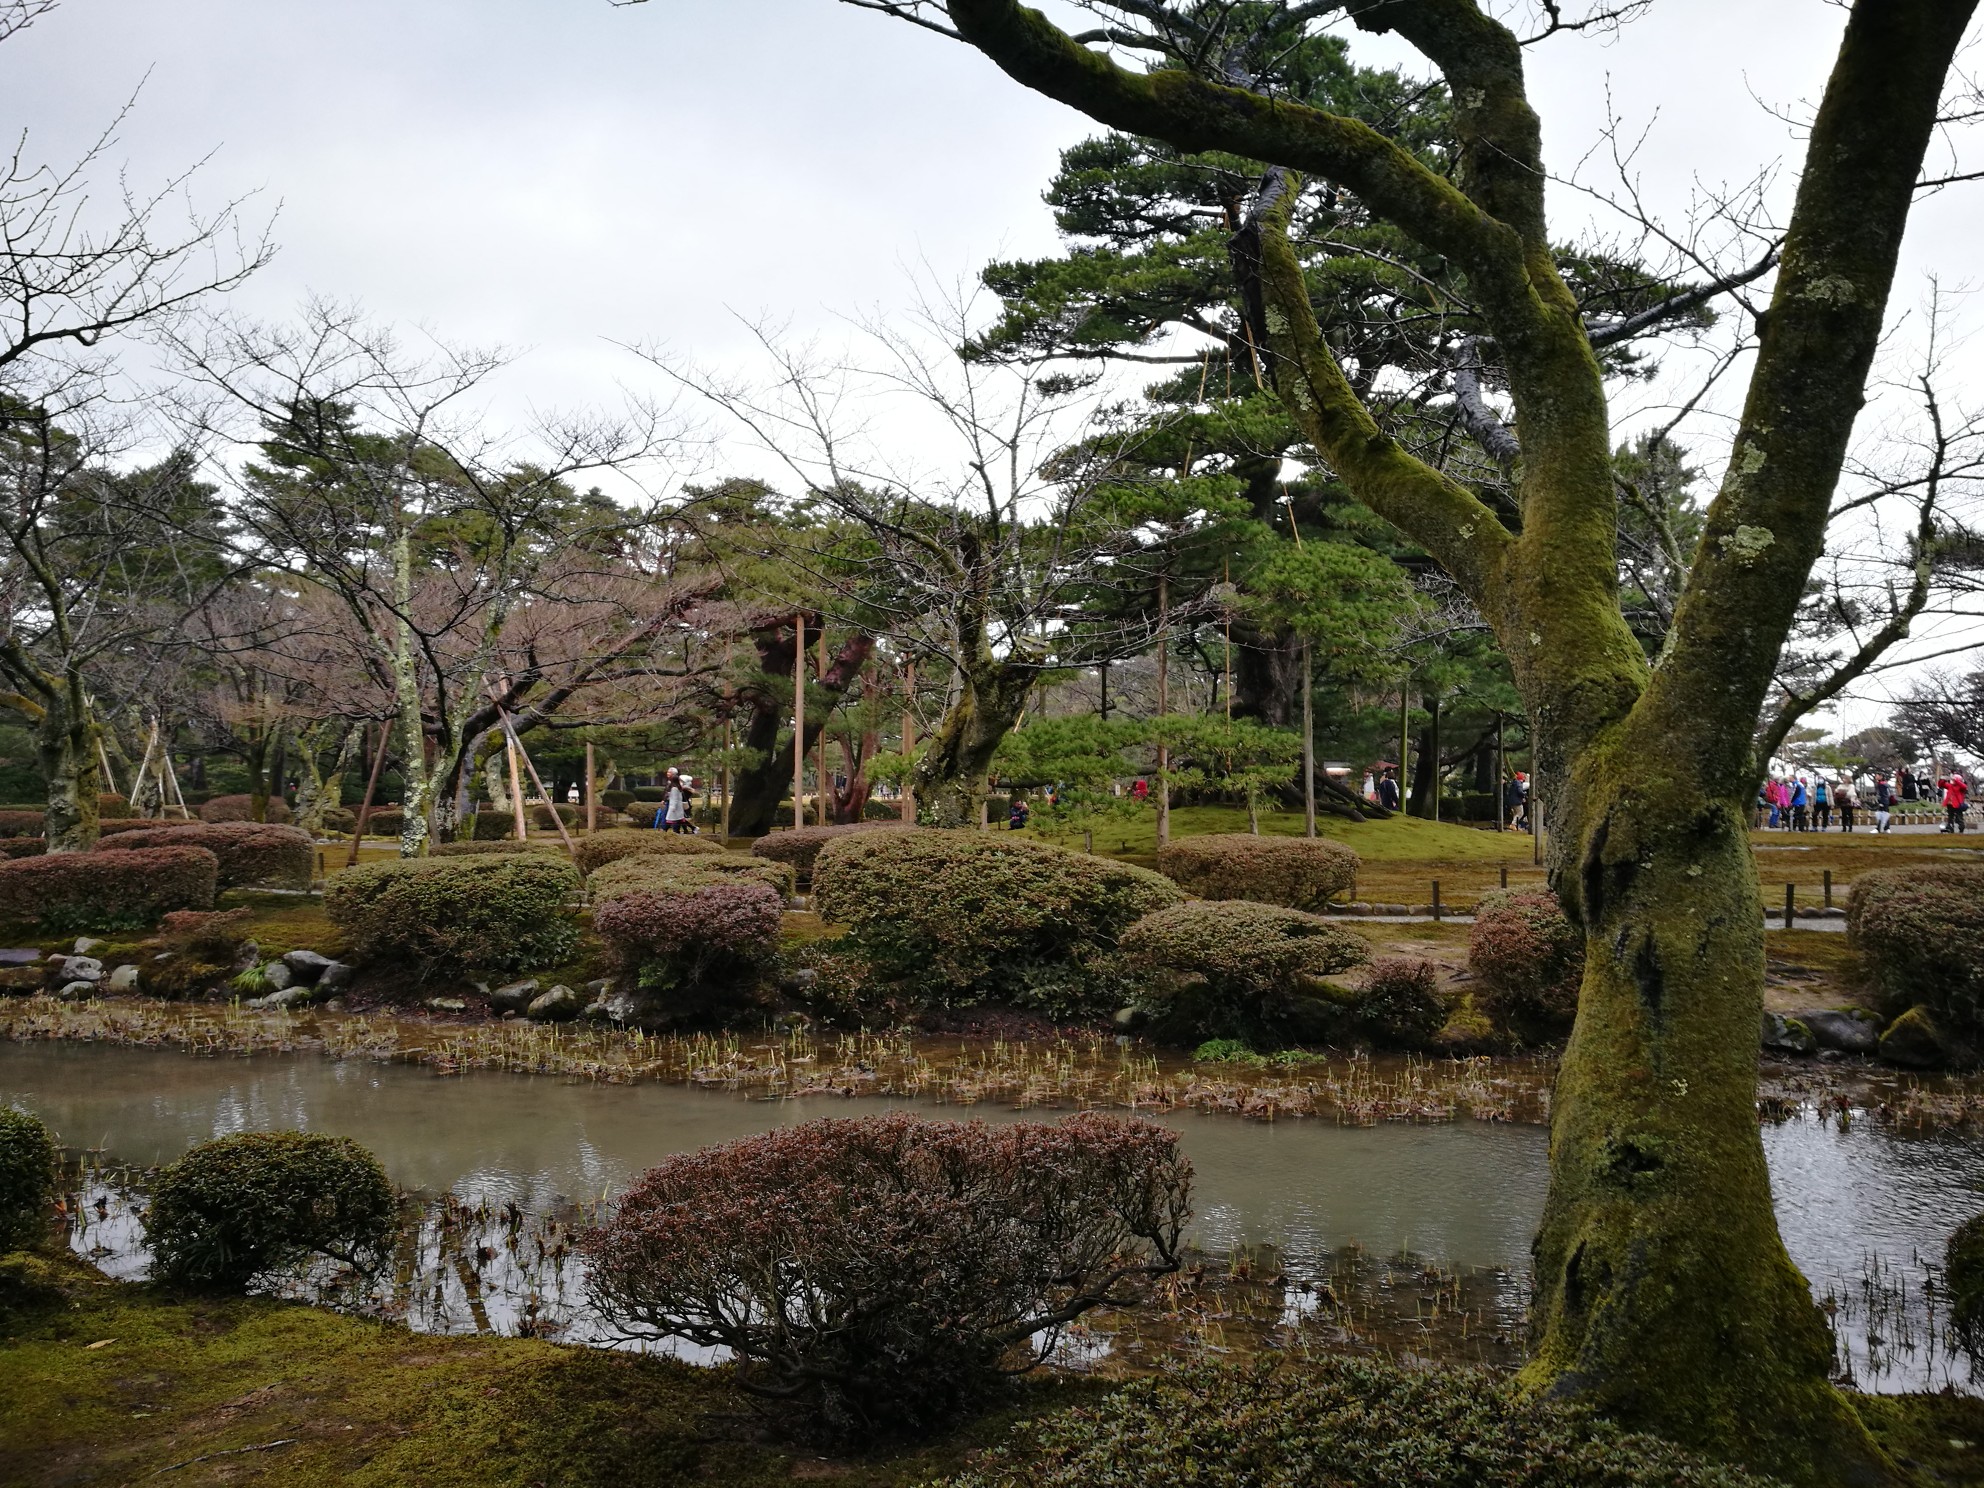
[762, 785]
[1665, 1297]
[951, 774]
[65, 744]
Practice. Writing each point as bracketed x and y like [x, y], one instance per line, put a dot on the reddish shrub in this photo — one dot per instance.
[1528, 961]
[698, 938]
[112, 807]
[875, 1274]
[138, 824]
[801, 846]
[252, 854]
[1296, 872]
[242, 809]
[106, 891]
[211, 934]
[23, 823]
[600, 848]
[22, 847]
[1921, 931]
[480, 849]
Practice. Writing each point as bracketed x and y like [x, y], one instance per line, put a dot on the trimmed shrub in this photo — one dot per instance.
[112, 807]
[1231, 969]
[685, 871]
[543, 820]
[483, 849]
[118, 828]
[1921, 931]
[106, 891]
[872, 1274]
[385, 821]
[1963, 1283]
[253, 855]
[242, 809]
[22, 847]
[616, 800]
[1401, 1003]
[338, 820]
[211, 934]
[1528, 961]
[700, 952]
[22, 823]
[1340, 1420]
[1295, 872]
[251, 1205]
[600, 848]
[967, 917]
[801, 846]
[27, 1180]
[500, 912]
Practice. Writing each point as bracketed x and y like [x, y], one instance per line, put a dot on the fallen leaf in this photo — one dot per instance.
[100, 1343]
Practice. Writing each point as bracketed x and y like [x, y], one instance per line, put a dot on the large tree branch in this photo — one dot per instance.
[1766, 527]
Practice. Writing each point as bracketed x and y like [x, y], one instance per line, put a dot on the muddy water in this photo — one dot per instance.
[1864, 1212]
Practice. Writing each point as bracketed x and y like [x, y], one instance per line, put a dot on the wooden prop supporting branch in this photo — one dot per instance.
[516, 786]
[820, 760]
[371, 788]
[103, 758]
[908, 739]
[592, 803]
[798, 721]
[517, 744]
[1163, 710]
[172, 774]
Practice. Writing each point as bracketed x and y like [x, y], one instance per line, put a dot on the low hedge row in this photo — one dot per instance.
[252, 854]
[686, 871]
[1294, 872]
[965, 916]
[496, 912]
[475, 849]
[22, 823]
[106, 891]
[1921, 932]
[801, 847]
[242, 809]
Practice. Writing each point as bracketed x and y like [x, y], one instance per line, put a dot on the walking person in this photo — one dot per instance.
[1515, 802]
[1388, 791]
[675, 810]
[1956, 796]
[1849, 801]
[1821, 804]
[1801, 806]
[1883, 803]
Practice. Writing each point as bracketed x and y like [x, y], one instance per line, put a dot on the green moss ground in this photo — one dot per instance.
[368, 1403]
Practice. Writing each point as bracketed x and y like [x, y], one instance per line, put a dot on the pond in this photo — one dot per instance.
[1401, 1236]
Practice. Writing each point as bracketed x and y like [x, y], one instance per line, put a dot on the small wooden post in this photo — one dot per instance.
[1505, 875]
[799, 720]
[592, 802]
[1828, 888]
[1790, 903]
[1436, 900]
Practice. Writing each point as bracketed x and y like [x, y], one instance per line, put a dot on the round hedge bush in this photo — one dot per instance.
[27, 1179]
[1963, 1282]
[1528, 962]
[1339, 1421]
[966, 917]
[1921, 933]
[242, 809]
[1233, 969]
[1294, 872]
[246, 1206]
[699, 937]
[597, 849]
[1401, 1004]
[501, 912]
[252, 855]
[67, 892]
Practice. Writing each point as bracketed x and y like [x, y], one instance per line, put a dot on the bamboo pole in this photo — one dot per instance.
[172, 774]
[138, 783]
[799, 721]
[820, 755]
[516, 786]
[1163, 709]
[1308, 746]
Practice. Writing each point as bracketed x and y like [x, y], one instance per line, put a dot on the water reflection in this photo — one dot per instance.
[1864, 1211]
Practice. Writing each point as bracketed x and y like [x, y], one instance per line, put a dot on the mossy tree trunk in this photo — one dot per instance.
[766, 780]
[57, 705]
[1665, 1296]
[952, 773]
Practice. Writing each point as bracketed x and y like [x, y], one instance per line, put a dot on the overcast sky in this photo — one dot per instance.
[561, 175]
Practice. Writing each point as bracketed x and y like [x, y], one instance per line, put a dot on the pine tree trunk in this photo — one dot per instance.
[65, 743]
[951, 774]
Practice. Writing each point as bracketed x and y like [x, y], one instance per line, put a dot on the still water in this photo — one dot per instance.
[1863, 1211]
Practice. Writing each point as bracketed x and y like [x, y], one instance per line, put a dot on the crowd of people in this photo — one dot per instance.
[1798, 802]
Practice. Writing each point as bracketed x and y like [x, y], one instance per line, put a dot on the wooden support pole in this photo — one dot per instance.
[908, 738]
[592, 800]
[1163, 710]
[371, 788]
[799, 721]
[1828, 874]
[1308, 746]
[516, 786]
[1790, 904]
[820, 754]
[521, 753]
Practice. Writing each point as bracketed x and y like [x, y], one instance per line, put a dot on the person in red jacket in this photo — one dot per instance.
[1956, 795]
